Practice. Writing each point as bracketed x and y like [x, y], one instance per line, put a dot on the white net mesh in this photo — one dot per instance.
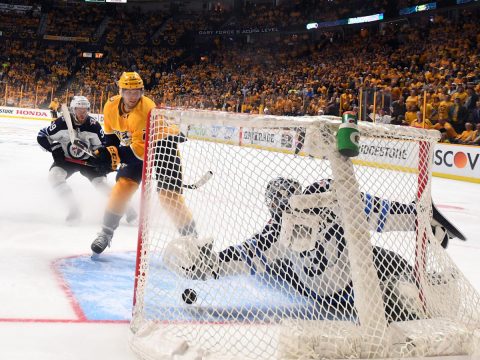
[289, 257]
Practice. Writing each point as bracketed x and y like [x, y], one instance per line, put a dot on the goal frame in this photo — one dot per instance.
[359, 260]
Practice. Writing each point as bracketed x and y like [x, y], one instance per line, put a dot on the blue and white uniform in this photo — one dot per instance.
[90, 133]
[69, 159]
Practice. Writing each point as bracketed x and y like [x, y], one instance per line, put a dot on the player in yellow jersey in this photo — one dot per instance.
[125, 118]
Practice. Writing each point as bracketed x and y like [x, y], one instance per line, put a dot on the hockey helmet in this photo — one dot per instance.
[79, 102]
[130, 80]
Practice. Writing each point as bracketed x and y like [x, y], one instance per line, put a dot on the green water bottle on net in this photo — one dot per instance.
[348, 135]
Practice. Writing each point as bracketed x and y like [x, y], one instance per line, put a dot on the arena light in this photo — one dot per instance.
[365, 19]
[326, 24]
[418, 8]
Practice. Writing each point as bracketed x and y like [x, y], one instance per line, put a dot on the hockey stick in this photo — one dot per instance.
[79, 144]
[200, 182]
[442, 221]
[78, 161]
[71, 132]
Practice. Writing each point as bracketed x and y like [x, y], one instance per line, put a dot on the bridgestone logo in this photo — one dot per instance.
[384, 151]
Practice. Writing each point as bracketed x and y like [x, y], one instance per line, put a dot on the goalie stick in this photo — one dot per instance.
[71, 132]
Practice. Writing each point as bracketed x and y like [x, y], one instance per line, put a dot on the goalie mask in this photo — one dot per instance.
[79, 106]
[278, 192]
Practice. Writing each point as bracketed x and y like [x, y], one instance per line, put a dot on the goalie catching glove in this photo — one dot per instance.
[106, 158]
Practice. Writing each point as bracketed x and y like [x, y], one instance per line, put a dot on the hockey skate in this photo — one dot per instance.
[443, 229]
[101, 242]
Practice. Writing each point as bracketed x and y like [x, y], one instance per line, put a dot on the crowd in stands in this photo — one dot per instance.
[75, 20]
[401, 74]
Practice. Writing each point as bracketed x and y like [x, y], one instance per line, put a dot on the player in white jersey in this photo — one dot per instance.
[320, 272]
[69, 159]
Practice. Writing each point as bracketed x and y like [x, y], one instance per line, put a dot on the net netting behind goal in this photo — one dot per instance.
[285, 256]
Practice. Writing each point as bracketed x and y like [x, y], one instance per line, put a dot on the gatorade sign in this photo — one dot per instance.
[458, 161]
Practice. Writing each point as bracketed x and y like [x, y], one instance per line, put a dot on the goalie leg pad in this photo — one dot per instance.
[191, 257]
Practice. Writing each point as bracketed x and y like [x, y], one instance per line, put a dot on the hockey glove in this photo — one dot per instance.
[58, 155]
[107, 158]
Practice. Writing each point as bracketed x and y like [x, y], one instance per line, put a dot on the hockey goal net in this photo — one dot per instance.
[293, 256]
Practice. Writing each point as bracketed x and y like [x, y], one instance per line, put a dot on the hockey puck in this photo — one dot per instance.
[189, 296]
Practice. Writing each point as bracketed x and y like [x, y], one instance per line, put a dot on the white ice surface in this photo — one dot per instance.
[35, 309]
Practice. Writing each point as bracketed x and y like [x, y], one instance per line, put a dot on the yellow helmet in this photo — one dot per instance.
[130, 80]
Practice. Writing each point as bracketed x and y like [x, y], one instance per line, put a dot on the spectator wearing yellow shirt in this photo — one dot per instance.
[466, 136]
[428, 108]
[460, 94]
[419, 123]
[346, 100]
[475, 137]
[447, 130]
[411, 115]
[435, 104]
[54, 106]
[444, 108]
[412, 100]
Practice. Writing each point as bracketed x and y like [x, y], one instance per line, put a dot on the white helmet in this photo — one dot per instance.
[79, 102]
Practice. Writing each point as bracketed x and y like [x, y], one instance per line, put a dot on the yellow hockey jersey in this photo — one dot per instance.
[128, 127]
